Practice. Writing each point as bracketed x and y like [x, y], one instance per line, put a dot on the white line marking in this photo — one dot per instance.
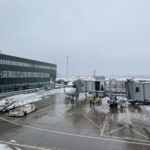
[112, 116]
[124, 115]
[22, 145]
[104, 126]
[57, 113]
[132, 129]
[138, 133]
[76, 135]
[117, 137]
[115, 130]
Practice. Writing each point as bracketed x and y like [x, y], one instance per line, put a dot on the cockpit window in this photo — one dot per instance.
[71, 86]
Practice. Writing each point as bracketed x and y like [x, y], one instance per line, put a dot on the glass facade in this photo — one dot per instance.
[24, 64]
[20, 73]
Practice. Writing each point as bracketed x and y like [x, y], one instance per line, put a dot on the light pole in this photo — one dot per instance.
[67, 68]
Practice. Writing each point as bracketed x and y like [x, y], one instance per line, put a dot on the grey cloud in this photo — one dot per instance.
[109, 36]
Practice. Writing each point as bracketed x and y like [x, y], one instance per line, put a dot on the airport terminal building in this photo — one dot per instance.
[20, 73]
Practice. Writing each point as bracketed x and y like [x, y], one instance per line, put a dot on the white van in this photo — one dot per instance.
[23, 110]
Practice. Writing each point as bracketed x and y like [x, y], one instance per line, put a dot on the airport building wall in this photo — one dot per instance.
[20, 73]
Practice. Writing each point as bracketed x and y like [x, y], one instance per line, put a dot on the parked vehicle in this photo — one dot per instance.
[23, 110]
[113, 102]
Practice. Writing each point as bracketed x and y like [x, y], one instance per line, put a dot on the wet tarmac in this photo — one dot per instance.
[57, 124]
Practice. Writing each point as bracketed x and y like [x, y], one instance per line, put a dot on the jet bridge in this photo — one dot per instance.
[100, 88]
[97, 88]
[138, 91]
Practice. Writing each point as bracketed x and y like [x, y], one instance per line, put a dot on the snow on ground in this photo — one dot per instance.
[23, 99]
[146, 108]
[81, 96]
[6, 147]
[121, 98]
[105, 100]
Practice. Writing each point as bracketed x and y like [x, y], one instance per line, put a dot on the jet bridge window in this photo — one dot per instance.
[137, 89]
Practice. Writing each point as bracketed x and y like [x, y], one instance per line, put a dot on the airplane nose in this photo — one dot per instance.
[70, 91]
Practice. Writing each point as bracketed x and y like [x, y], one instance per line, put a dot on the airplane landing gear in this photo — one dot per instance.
[72, 101]
[91, 102]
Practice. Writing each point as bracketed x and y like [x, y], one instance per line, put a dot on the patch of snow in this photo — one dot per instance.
[13, 141]
[22, 99]
[145, 108]
[121, 98]
[6, 147]
[18, 148]
[105, 100]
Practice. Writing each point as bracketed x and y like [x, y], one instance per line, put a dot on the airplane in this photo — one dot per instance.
[71, 90]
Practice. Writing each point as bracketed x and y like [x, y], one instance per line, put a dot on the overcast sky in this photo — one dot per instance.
[109, 36]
